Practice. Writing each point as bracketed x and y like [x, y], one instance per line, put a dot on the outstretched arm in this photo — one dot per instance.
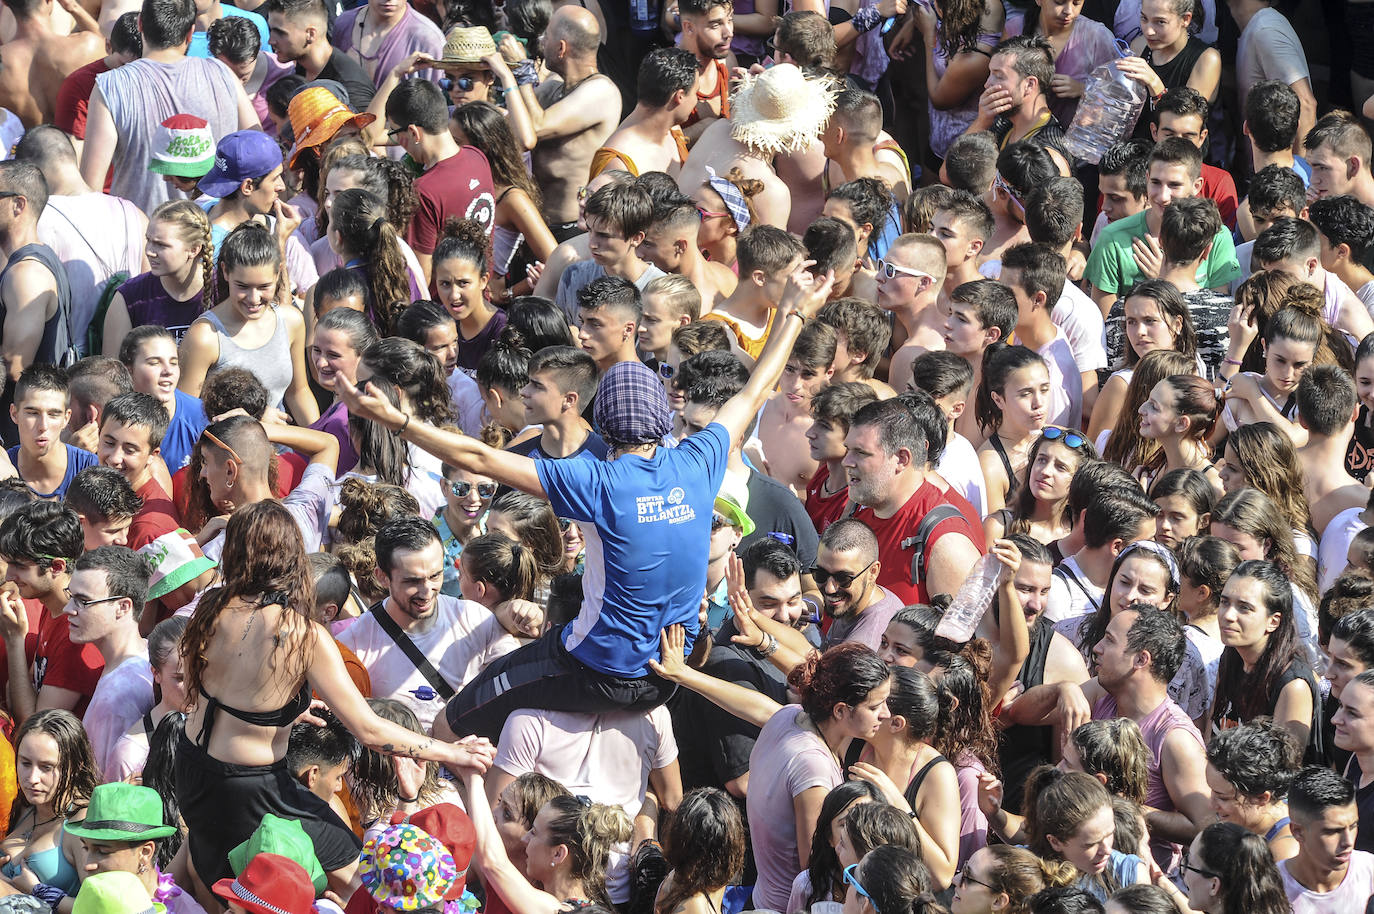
[746, 704]
[454, 449]
[515, 890]
[801, 299]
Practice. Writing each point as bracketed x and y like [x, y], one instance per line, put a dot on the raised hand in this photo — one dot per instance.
[369, 404]
[673, 646]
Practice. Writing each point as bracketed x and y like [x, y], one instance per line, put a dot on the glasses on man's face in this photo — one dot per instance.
[1070, 438]
[719, 520]
[86, 604]
[889, 270]
[464, 488]
[851, 877]
[394, 134]
[842, 579]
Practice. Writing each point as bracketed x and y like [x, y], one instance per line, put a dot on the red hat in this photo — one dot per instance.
[454, 830]
[270, 884]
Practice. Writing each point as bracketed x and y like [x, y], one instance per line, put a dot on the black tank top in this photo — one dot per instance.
[1021, 747]
[1173, 74]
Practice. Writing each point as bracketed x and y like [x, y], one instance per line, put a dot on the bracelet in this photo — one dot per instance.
[414, 799]
[402, 429]
[770, 650]
[1235, 362]
[865, 20]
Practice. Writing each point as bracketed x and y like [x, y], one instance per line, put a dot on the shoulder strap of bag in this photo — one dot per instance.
[412, 652]
[934, 518]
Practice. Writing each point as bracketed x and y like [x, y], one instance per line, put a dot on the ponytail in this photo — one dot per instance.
[503, 563]
[590, 832]
[999, 361]
[360, 218]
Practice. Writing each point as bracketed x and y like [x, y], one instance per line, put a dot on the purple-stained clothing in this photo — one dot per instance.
[747, 44]
[265, 73]
[470, 351]
[335, 421]
[1090, 45]
[148, 303]
[413, 33]
[1155, 728]
[973, 825]
[946, 124]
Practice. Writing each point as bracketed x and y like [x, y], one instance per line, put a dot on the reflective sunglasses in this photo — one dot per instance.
[851, 878]
[464, 83]
[841, 578]
[666, 371]
[1070, 438]
[889, 270]
[462, 489]
[719, 520]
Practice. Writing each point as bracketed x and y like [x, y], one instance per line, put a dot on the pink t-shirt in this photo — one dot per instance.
[1349, 896]
[795, 759]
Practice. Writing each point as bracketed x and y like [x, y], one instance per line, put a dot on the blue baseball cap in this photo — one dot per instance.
[239, 157]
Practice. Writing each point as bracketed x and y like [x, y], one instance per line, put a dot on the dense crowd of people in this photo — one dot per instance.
[686, 457]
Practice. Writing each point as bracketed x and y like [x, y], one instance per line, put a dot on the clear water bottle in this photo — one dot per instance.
[1107, 112]
[643, 15]
[961, 619]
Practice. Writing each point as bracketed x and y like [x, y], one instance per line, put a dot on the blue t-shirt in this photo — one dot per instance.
[200, 41]
[183, 431]
[646, 557]
[77, 460]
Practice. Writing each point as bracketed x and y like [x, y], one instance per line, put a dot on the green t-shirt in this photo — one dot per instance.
[1111, 266]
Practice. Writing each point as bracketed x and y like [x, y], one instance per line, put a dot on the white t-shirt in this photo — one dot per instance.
[1347, 898]
[1066, 384]
[1071, 596]
[467, 400]
[1269, 49]
[1243, 256]
[960, 467]
[1335, 546]
[1365, 294]
[95, 236]
[605, 757]
[121, 697]
[459, 639]
[1080, 319]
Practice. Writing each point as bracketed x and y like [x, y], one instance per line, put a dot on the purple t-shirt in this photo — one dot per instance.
[149, 303]
[470, 352]
[413, 33]
[335, 421]
[796, 759]
[868, 626]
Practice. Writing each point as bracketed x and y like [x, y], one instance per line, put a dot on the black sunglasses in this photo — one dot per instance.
[464, 83]
[1185, 865]
[841, 578]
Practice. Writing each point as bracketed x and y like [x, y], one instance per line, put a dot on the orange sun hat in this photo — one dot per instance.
[316, 116]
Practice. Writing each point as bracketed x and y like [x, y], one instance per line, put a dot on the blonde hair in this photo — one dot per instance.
[680, 294]
[193, 227]
[589, 831]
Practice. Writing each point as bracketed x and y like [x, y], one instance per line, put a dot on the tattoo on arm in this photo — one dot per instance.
[405, 751]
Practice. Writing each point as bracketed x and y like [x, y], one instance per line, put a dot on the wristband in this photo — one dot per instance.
[414, 799]
[865, 20]
[1235, 362]
[402, 429]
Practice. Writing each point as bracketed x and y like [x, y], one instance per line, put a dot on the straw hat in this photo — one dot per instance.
[465, 47]
[781, 109]
[316, 115]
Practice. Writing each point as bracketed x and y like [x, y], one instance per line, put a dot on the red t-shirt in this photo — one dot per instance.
[157, 517]
[824, 509]
[290, 468]
[74, 99]
[1218, 185]
[64, 665]
[893, 531]
[458, 186]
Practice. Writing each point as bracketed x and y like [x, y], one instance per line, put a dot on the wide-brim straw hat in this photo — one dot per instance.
[316, 116]
[465, 47]
[781, 109]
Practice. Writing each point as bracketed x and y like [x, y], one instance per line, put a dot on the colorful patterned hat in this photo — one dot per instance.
[406, 868]
[182, 146]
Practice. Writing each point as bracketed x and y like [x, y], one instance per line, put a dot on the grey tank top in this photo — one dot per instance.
[143, 94]
[56, 329]
[270, 362]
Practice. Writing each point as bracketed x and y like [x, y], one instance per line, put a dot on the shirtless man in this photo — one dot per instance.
[671, 245]
[651, 139]
[767, 256]
[708, 26]
[796, 110]
[37, 59]
[963, 226]
[1327, 405]
[786, 417]
[851, 144]
[908, 285]
[573, 115]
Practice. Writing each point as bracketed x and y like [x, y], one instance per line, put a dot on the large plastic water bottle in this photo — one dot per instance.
[643, 15]
[1107, 112]
[960, 620]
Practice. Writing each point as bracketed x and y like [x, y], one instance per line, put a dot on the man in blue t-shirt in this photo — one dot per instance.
[41, 410]
[646, 512]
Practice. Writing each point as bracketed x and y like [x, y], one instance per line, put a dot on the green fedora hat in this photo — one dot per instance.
[286, 837]
[122, 812]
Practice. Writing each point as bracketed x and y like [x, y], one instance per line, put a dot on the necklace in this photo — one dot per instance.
[569, 88]
[28, 835]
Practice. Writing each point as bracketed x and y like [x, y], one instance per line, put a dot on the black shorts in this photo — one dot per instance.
[223, 805]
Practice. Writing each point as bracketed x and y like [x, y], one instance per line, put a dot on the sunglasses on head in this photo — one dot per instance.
[1070, 438]
[851, 877]
[462, 489]
[999, 182]
[841, 578]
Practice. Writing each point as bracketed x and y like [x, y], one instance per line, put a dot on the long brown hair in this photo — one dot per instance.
[77, 774]
[704, 844]
[1125, 445]
[264, 560]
